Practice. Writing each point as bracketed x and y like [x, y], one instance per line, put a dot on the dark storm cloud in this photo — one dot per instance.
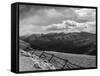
[41, 15]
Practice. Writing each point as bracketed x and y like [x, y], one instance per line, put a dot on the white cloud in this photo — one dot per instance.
[58, 26]
[66, 26]
[72, 26]
[88, 14]
[70, 23]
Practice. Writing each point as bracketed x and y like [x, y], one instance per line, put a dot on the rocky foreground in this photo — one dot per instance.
[30, 62]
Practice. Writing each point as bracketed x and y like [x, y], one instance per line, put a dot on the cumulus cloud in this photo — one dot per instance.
[43, 19]
[72, 26]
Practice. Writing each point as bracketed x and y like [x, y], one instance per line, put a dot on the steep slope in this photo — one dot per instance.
[23, 44]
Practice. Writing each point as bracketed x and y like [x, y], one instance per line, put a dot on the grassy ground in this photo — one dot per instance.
[81, 60]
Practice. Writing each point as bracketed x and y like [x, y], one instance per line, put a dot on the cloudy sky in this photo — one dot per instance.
[45, 19]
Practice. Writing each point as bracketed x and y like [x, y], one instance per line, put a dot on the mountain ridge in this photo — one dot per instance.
[81, 43]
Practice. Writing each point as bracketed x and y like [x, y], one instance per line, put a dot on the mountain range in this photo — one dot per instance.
[75, 42]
